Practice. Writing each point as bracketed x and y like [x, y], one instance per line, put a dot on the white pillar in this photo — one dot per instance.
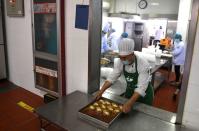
[183, 18]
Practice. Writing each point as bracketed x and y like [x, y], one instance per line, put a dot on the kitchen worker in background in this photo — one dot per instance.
[136, 71]
[178, 61]
[113, 40]
[104, 45]
[125, 35]
[159, 34]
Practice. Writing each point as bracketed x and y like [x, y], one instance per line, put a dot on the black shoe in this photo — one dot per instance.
[173, 83]
[174, 96]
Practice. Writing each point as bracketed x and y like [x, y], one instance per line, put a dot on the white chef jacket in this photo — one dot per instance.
[142, 68]
[159, 34]
[114, 38]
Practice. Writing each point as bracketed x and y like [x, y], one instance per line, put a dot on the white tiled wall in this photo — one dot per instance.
[191, 111]
[183, 18]
[20, 50]
[76, 49]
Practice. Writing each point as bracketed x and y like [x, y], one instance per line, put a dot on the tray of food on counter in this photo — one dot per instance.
[102, 112]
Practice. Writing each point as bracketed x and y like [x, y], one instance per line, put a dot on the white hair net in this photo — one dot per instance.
[126, 46]
[106, 27]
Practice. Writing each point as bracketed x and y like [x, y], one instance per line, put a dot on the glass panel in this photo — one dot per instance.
[47, 82]
[45, 25]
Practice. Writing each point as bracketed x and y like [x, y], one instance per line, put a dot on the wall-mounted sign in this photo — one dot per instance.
[46, 71]
[81, 19]
[15, 7]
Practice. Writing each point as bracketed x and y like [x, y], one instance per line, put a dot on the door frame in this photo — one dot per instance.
[94, 45]
[95, 18]
[188, 60]
[3, 12]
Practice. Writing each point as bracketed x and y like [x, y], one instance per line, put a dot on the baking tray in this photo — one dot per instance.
[99, 118]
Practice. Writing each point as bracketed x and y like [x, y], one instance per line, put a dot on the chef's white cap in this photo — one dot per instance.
[126, 46]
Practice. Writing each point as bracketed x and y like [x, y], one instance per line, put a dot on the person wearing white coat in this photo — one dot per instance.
[104, 43]
[178, 60]
[159, 34]
[114, 40]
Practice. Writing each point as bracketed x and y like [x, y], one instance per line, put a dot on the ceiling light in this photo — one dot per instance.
[155, 4]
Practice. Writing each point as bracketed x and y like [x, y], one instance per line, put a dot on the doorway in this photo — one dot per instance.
[95, 57]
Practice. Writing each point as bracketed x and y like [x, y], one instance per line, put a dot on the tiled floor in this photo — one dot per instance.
[164, 95]
[16, 118]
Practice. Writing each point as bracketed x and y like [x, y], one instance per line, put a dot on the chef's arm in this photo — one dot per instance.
[128, 105]
[134, 97]
[113, 76]
[106, 85]
[177, 51]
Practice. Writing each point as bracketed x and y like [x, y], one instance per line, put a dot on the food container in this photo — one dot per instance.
[111, 56]
[104, 61]
[102, 112]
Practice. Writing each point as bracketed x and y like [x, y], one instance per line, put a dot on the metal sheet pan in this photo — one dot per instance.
[95, 121]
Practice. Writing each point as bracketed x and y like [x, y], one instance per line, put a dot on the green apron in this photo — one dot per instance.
[132, 80]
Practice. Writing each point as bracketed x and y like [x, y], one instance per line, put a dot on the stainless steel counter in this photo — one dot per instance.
[118, 88]
[64, 113]
[159, 63]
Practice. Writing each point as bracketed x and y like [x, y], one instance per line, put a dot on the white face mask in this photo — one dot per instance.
[177, 40]
[125, 62]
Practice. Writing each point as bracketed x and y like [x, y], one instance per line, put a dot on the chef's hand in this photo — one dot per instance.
[106, 85]
[99, 95]
[127, 106]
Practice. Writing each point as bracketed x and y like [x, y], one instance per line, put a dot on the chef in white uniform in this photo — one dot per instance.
[136, 71]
